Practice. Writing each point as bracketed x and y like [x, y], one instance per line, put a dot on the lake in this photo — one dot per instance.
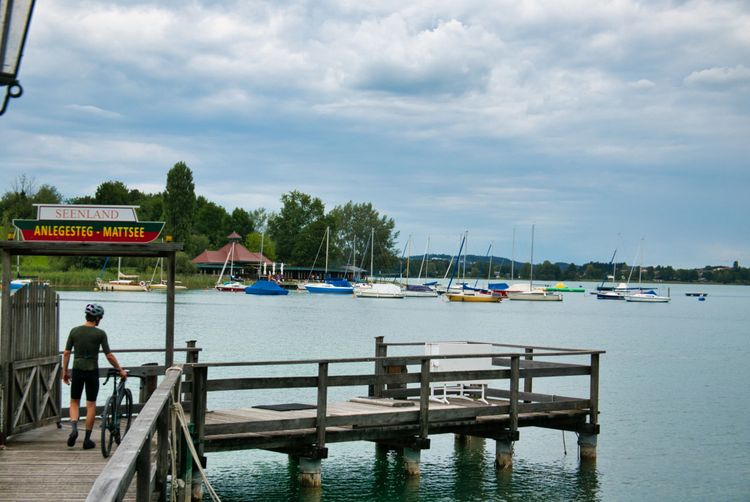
[674, 396]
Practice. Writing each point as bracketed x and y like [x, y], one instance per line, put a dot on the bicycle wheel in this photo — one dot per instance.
[126, 414]
[108, 426]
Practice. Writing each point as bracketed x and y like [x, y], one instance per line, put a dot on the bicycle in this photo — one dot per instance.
[118, 412]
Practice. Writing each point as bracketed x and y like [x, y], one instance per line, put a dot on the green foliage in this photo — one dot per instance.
[260, 243]
[211, 220]
[355, 223]
[298, 228]
[179, 202]
[241, 221]
[112, 193]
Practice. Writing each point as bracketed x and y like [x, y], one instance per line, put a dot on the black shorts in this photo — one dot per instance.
[88, 378]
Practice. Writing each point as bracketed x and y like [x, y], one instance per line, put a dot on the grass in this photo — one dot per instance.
[85, 278]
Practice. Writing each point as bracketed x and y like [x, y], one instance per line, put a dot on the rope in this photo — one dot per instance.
[178, 414]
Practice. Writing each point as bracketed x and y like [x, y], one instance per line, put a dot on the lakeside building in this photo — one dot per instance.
[243, 263]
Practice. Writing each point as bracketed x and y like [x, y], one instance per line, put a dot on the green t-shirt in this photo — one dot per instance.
[85, 342]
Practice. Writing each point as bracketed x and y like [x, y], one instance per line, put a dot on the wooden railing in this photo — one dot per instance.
[521, 363]
[133, 456]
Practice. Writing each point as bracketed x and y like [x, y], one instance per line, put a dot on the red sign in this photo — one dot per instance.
[89, 231]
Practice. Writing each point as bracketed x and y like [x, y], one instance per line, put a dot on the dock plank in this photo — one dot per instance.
[39, 466]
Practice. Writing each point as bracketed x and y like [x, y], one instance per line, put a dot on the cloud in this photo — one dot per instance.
[94, 111]
[720, 76]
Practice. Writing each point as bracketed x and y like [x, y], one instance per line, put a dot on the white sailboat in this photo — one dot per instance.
[538, 294]
[163, 283]
[124, 282]
[232, 285]
[329, 286]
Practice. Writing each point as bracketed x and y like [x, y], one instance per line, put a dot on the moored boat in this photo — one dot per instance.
[536, 295]
[562, 288]
[474, 296]
[231, 287]
[647, 296]
[264, 287]
[377, 290]
[330, 287]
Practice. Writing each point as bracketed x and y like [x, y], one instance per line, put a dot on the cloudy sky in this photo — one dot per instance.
[605, 123]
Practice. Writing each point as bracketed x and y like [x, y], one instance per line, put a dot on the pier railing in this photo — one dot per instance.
[133, 456]
[392, 379]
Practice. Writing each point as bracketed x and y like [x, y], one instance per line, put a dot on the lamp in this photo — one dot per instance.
[15, 16]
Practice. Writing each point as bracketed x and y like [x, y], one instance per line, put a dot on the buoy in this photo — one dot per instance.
[701, 298]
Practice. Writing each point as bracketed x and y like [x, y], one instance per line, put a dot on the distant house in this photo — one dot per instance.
[235, 258]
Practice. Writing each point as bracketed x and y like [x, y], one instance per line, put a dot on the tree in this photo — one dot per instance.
[354, 225]
[261, 243]
[298, 228]
[179, 202]
[212, 220]
[47, 194]
[241, 222]
[112, 193]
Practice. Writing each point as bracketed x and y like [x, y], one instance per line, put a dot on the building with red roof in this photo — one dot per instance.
[234, 257]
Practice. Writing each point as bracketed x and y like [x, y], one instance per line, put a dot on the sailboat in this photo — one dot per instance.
[124, 282]
[539, 295]
[642, 295]
[163, 283]
[373, 289]
[329, 286]
[418, 290]
[468, 294]
[232, 285]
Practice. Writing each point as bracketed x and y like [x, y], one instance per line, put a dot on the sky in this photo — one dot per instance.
[606, 124]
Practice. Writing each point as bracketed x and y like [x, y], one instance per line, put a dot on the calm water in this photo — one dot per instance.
[674, 400]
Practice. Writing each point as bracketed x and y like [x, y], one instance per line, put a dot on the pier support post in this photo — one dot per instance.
[309, 472]
[503, 454]
[587, 446]
[411, 461]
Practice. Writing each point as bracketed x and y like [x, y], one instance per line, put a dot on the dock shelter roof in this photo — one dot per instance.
[241, 256]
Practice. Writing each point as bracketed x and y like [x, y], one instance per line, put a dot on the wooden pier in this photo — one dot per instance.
[398, 398]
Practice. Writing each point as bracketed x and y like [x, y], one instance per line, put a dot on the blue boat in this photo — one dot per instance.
[331, 287]
[266, 288]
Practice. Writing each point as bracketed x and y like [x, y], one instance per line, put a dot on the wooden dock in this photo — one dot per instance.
[37, 465]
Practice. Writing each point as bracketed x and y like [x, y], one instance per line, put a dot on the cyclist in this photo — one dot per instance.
[85, 341]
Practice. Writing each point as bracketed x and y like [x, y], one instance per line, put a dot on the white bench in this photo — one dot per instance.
[459, 389]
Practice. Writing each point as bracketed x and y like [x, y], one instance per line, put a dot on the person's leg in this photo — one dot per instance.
[76, 389]
[74, 415]
[92, 391]
[90, 419]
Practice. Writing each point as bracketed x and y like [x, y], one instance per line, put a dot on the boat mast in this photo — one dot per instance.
[458, 262]
[531, 270]
[512, 255]
[326, 270]
[372, 252]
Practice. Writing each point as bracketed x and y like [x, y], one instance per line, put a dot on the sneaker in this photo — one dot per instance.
[72, 438]
[88, 444]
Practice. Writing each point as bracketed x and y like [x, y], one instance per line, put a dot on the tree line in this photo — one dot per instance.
[293, 235]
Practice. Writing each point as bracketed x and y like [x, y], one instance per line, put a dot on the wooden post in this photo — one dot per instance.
[309, 472]
[5, 345]
[587, 446]
[594, 390]
[143, 468]
[171, 269]
[162, 453]
[191, 357]
[148, 385]
[198, 409]
[381, 350]
[322, 403]
[514, 377]
[527, 381]
[424, 398]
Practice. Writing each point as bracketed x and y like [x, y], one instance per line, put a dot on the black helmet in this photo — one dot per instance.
[95, 310]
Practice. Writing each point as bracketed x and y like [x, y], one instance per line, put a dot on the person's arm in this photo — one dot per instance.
[65, 373]
[116, 365]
